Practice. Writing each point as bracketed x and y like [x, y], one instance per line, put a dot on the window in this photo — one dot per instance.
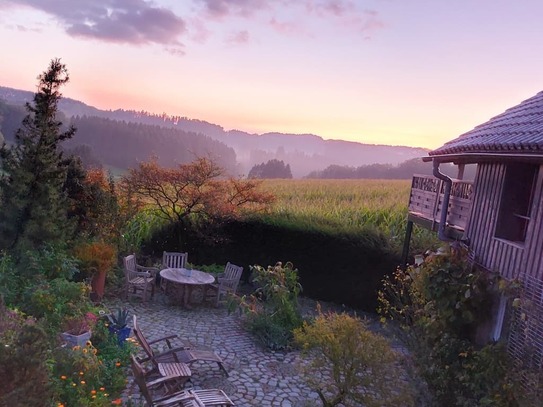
[516, 201]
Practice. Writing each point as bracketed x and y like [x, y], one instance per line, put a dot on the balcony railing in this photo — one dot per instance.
[426, 200]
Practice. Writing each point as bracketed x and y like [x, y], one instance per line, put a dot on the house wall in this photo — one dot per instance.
[509, 259]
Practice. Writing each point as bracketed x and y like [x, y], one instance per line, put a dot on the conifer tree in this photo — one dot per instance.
[33, 172]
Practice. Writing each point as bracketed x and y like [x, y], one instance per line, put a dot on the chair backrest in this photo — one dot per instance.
[130, 263]
[174, 260]
[232, 274]
[139, 377]
[141, 339]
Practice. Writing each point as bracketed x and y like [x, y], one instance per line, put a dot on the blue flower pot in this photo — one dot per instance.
[122, 333]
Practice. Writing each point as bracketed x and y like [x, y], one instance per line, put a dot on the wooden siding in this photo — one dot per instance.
[426, 201]
[511, 260]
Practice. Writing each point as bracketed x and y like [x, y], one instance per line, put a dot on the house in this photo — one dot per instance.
[499, 215]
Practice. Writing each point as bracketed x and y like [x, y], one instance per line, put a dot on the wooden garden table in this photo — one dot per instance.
[187, 279]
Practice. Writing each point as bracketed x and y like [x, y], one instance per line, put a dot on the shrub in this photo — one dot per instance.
[272, 310]
[439, 305]
[351, 365]
[23, 357]
[55, 301]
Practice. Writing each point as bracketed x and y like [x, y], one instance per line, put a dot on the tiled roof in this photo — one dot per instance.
[517, 130]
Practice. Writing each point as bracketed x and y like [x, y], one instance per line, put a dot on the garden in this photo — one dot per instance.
[64, 230]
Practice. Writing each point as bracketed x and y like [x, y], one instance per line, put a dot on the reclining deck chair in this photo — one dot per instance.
[183, 398]
[174, 355]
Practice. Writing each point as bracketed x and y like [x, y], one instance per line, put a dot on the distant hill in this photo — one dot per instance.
[305, 153]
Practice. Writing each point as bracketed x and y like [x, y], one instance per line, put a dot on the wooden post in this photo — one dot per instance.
[407, 240]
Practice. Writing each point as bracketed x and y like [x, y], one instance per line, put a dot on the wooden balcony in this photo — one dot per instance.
[426, 201]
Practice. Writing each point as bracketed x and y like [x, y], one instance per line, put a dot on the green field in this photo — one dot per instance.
[346, 207]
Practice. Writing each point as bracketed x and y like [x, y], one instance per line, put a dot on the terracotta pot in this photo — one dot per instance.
[98, 283]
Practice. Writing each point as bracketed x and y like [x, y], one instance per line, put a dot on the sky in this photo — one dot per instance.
[397, 72]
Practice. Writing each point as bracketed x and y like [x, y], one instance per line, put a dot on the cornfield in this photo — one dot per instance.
[346, 207]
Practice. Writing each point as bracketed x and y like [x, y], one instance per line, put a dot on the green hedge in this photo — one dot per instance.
[340, 268]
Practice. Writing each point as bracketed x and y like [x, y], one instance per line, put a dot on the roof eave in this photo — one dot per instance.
[473, 158]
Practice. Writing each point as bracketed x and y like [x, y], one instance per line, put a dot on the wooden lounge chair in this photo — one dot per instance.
[227, 282]
[181, 354]
[183, 398]
[140, 280]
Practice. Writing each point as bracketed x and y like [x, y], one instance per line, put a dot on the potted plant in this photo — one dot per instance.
[78, 329]
[118, 322]
[97, 258]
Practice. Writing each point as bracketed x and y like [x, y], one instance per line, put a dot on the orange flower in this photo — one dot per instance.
[82, 382]
[118, 364]
[117, 402]
[102, 388]
[63, 377]
[81, 373]
[93, 391]
[60, 405]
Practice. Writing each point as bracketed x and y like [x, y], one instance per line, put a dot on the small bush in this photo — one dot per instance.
[23, 359]
[351, 365]
[272, 310]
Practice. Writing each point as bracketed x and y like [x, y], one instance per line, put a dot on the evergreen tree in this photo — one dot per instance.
[33, 172]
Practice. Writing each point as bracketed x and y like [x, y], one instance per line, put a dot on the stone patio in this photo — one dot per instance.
[257, 376]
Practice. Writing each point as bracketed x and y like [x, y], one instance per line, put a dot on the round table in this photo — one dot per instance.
[188, 279]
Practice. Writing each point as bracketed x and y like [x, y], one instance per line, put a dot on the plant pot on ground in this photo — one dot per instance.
[118, 325]
[78, 330]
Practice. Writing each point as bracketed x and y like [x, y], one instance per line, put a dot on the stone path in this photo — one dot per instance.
[257, 376]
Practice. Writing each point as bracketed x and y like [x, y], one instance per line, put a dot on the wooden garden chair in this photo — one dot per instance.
[172, 260]
[140, 280]
[227, 283]
[180, 354]
[183, 398]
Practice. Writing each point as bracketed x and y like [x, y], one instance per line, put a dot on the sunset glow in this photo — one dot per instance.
[415, 73]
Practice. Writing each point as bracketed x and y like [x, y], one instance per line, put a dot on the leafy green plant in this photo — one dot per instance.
[119, 319]
[356, 366]
[23, 355]
[439, 306]
[272, 310]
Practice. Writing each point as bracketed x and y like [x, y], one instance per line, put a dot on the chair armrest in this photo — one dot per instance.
[152, 270]
[165, 338]
[143, 274]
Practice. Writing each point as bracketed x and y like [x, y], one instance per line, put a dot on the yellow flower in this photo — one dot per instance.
[77, 347]
[73, 384]
[84, 350]
[88, 343]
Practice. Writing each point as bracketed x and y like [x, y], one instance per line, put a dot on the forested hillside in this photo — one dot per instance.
[118, 144]
[304, 153]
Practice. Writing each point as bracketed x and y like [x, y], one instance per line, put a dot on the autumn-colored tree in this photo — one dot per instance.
[195, 189]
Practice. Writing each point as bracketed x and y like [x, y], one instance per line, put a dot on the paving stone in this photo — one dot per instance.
[257, 377]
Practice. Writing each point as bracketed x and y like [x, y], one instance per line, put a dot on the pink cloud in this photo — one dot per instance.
[119, 21]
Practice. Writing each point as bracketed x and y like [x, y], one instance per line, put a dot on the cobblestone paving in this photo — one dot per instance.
[257, 376]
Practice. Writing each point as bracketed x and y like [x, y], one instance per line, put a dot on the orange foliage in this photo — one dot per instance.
[196, 188]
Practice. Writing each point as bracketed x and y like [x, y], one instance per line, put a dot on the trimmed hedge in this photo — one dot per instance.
[342, 269]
